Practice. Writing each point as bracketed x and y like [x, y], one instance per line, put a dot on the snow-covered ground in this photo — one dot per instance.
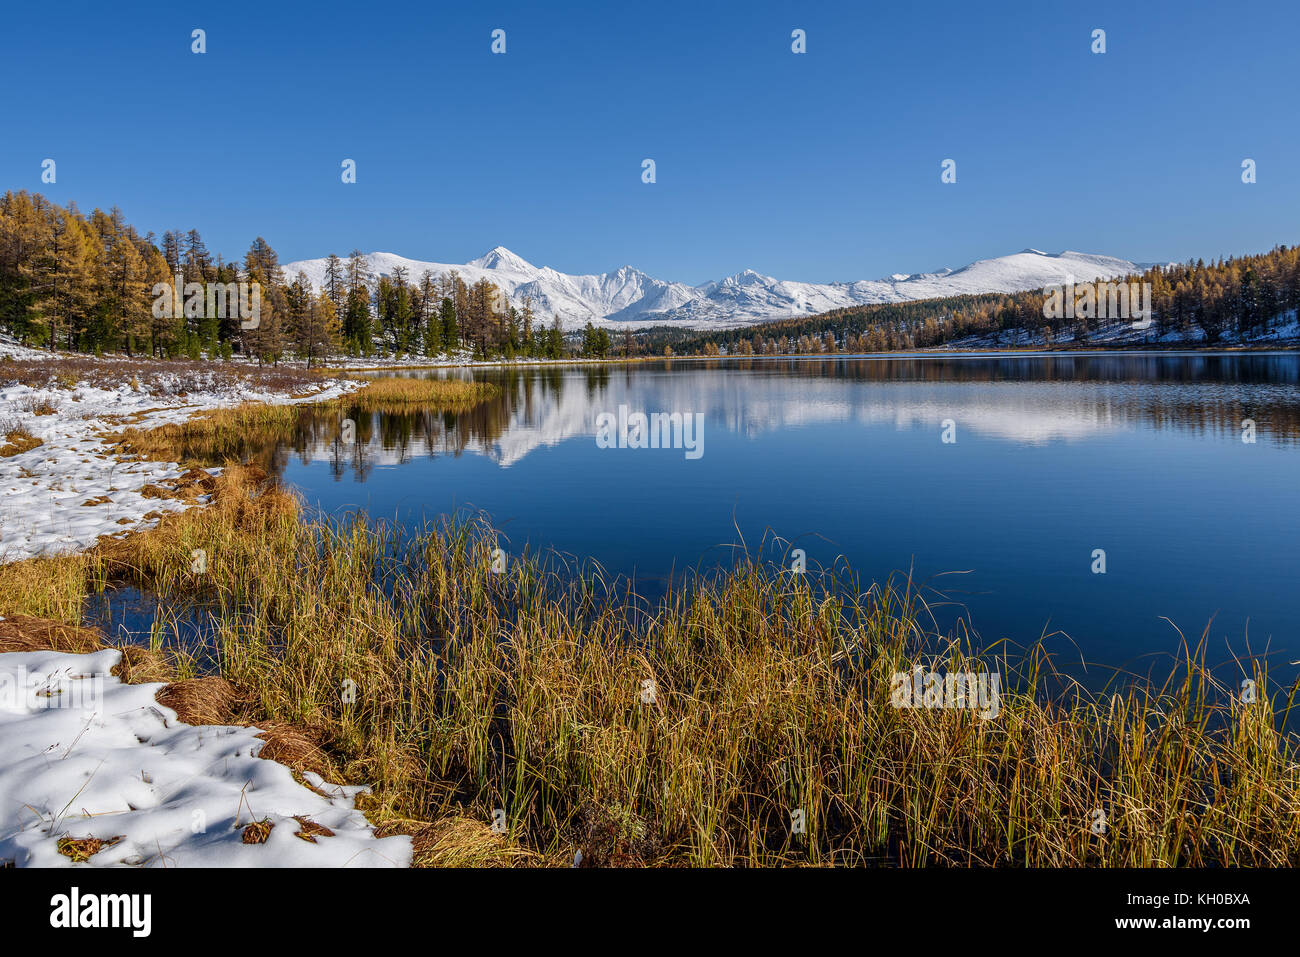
[84, 756]
[63, 494]
[11, 348]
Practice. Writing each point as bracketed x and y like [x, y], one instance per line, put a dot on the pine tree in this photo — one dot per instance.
[335, 282]
[450, 326]
[126, 273]
[171, 250]
[64, 273]
[526, 330]
[262, 266]
[429, 320]
[356, 314]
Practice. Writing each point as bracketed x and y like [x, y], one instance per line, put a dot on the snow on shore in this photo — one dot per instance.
[84, 756]
[13, 349]
[62, 495]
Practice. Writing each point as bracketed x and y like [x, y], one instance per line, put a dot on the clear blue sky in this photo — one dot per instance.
[823, 166]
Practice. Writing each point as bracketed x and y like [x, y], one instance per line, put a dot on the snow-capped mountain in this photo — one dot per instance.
[630, 296]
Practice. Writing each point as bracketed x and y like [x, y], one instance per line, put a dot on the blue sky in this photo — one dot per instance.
[818, 167]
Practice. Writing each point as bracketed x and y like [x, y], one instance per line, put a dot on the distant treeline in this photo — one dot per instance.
[1239, 296]
[87, 284]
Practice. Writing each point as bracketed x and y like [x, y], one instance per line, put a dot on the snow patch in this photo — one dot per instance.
[83, 755]
[62, 495]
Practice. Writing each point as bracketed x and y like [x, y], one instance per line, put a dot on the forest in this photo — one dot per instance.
[77, 283]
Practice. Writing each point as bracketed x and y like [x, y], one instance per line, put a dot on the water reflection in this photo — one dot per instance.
[1056, 456]
[1015, 399]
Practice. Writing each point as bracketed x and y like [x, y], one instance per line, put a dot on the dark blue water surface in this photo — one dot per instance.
[1055, 456]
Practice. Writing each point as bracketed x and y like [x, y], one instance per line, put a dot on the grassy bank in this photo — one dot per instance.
[238, 431]
[691, 734]
[443, 393]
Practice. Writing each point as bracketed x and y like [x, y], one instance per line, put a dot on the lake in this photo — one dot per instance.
[992, 479]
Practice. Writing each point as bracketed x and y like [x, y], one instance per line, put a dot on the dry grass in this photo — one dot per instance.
[249, 429]
[211, 435]
[468, 698]
[301, 749]
[19, 632]
[160, 377]
[81, 849]
[39, 405]
[309, 830]
[52, 588]
[459, 841]
[196, 701]
[501, 718]
[17, 440]
[400, 393]
[258, 831]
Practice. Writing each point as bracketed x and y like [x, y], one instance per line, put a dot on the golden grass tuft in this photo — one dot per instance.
[17, 441]
[27, 633]
[52, 587]
[458, 841]
[81, 849]
[309, 830]
[145, 665]
[258, 832]
[300, 749]
[196, 701]
[397, 391]
[211, 434]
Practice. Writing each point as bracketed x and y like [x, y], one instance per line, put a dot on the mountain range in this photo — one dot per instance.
[629, 296]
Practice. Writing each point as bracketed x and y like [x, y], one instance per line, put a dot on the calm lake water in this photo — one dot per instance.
[1141, 456]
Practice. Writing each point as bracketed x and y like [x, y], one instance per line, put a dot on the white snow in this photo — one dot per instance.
[83, 755]
[43, 491]
[11, 348]
[629, 296]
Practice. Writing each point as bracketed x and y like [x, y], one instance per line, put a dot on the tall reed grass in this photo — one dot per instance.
[212, 434]
[250, 428]
[401, 391]
[746, 720]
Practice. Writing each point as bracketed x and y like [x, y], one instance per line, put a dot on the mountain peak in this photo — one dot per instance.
[630, 295]
[747, 277]
[498, 257]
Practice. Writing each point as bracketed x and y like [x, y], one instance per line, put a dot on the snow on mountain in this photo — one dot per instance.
[629, 296]
[500, 258]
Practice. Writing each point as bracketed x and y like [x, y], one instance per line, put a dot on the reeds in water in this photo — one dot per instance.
[750, 719]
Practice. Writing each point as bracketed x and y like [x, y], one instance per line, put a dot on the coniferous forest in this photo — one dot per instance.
[72, 282]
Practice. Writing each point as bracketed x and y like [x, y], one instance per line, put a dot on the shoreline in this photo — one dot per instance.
[74, 485]
[64, 685]
[680, 737]
[342, 367]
